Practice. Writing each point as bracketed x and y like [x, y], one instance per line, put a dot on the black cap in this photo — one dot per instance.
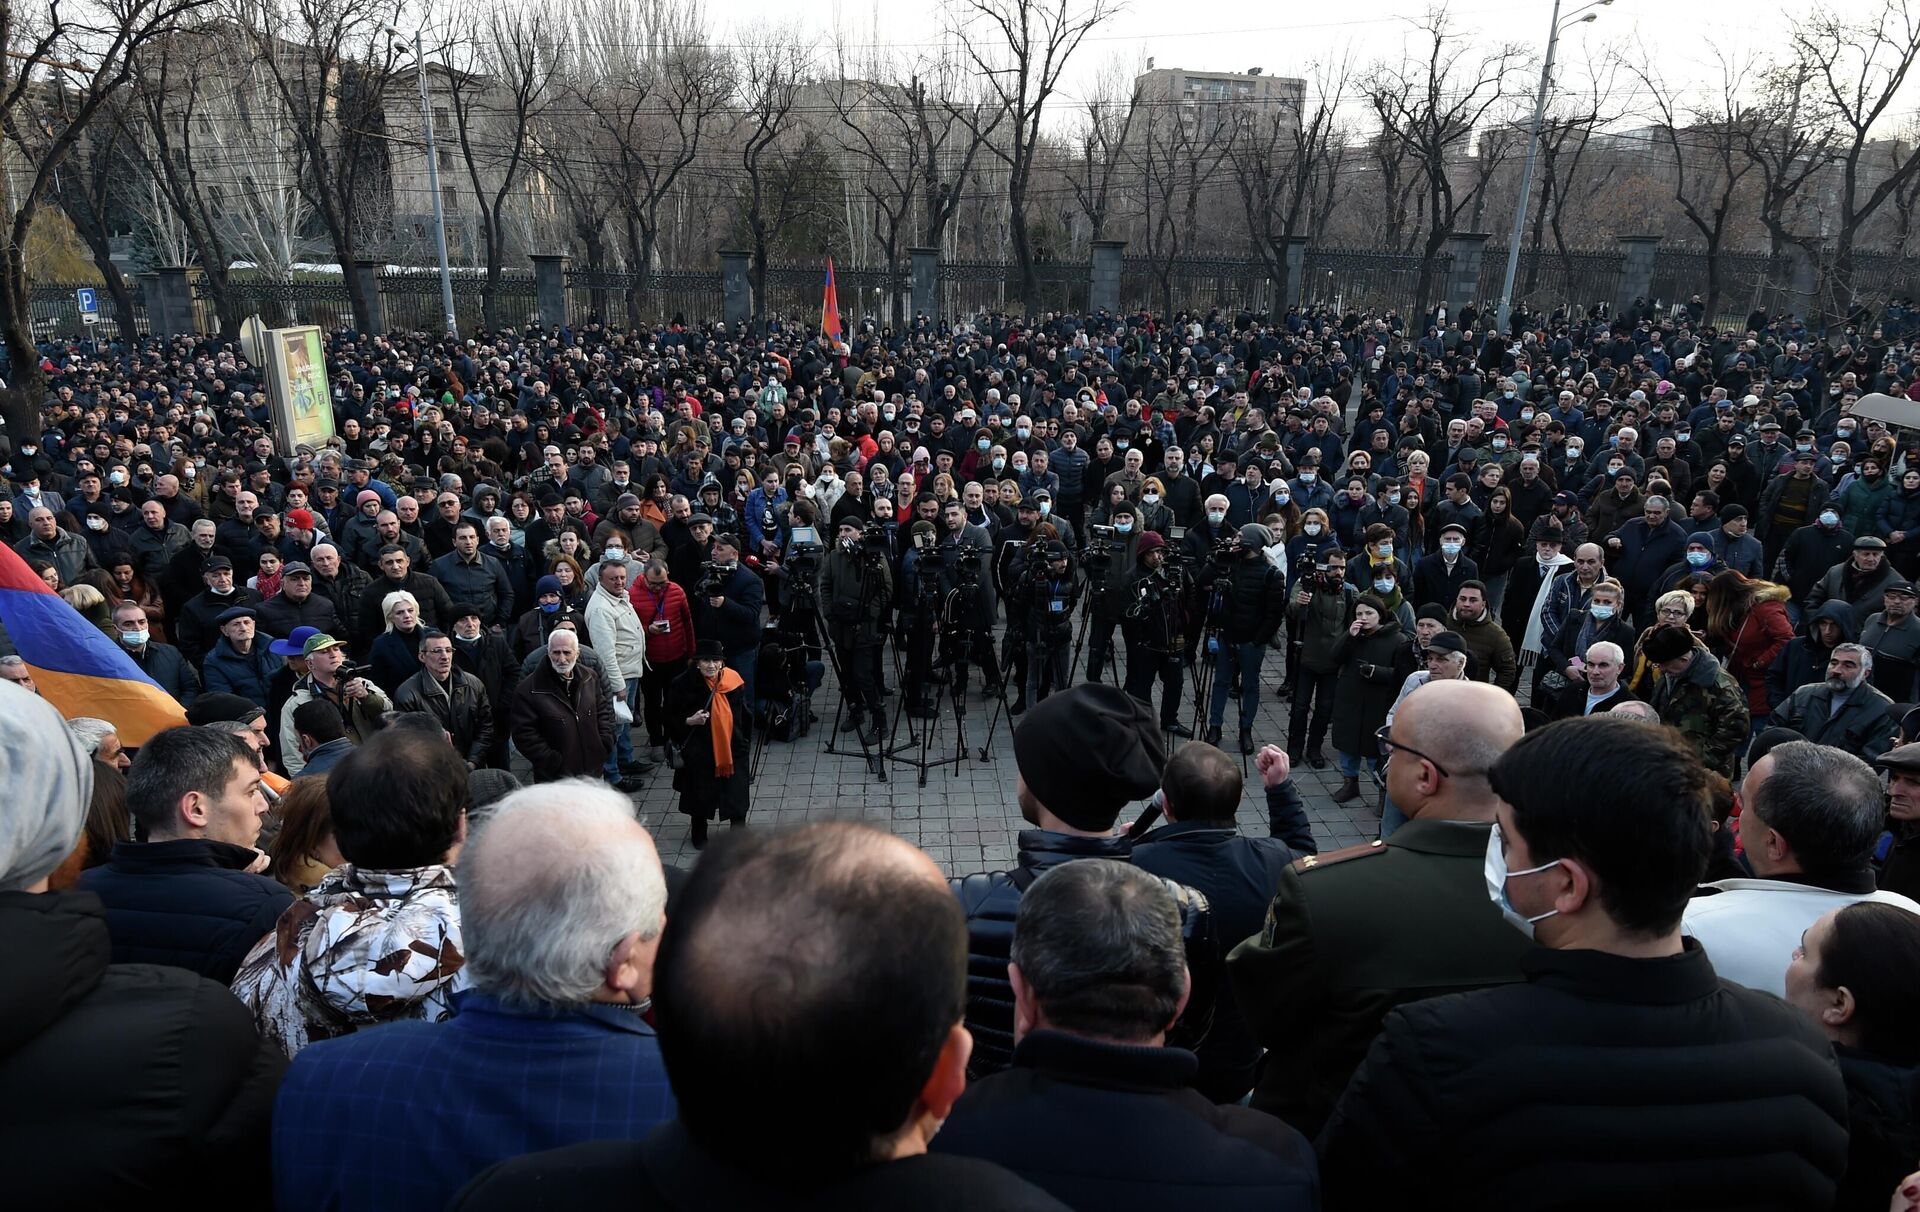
[1447, 641]
[1087, 751]
[235, 612]
[217, 562]
[1901, 585]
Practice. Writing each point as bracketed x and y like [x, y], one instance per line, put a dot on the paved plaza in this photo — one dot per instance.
[966, 816]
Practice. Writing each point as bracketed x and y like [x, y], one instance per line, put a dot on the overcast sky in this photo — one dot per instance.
[1681, 36]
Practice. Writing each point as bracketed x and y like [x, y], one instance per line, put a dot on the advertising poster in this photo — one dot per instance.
[297, 372]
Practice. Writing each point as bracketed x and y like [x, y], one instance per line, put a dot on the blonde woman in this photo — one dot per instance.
[395, 655]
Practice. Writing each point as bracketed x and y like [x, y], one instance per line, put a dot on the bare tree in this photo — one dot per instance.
[654, 90]
[59, 68]
[1281, 159]
[93, 192]
[1432, 104]
[1020, 48]
[1707, 162]
[1100, 137]
[774, 154]
[500, 82]
[1790, 140]
[1857, 68]
[332, 64]
[878, 135]
[1566, 135]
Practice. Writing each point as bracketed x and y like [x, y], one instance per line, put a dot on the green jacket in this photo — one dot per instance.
[1859, 505]
[1318, 625]
[1352, 934]
[1707, 705]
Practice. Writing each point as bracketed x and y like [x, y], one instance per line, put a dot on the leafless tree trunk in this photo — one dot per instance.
[1281, 158]
[1100, 137]
[1856, 69]
[1709, 163]
[1431, 104]
[332, 64]
[773, 154]
[500, 82]
[92, 192]
[59, 68]
[654, 89]
[1020, 49]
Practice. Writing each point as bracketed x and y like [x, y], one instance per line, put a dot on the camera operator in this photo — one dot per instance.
[1154, 624]
[920, 598]
[1110, 573]
[1321, 610]
[855, 588]
[1043, 592]
[1254, 601]
[728, 602]
[967, 583]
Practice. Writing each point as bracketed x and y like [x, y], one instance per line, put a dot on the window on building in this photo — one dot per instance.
[441, 119]
[449, 198]
[445, 156]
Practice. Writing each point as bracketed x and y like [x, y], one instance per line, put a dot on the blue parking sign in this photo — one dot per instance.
[89, 303]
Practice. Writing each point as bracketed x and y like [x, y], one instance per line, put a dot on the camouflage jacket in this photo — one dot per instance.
[364, 947]
[1708, 706]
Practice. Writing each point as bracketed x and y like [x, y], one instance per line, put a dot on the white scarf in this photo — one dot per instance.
[1530, 646]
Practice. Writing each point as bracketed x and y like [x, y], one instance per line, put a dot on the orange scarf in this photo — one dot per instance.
[720, 720]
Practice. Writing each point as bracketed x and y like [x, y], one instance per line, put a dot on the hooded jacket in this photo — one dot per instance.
[363, 948]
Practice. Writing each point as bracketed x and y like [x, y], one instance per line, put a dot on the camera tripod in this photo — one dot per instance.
[1207, 658]
[870, 753]
[948, 649]
[1096, 586]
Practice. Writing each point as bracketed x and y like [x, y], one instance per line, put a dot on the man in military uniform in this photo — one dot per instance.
[1354, 933]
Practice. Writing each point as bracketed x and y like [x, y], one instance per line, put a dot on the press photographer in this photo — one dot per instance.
[728, 601]
[1154, 624]
[1250, 606]
[1110, 570]
[1045, 591]
[963, 553]
[855, 588]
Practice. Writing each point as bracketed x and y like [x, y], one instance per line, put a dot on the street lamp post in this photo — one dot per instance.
[433, 182]
[1533, 147]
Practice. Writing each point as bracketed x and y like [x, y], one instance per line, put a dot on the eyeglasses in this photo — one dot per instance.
[1385, 736]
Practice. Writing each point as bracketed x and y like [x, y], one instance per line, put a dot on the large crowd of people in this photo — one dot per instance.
[1608, 619]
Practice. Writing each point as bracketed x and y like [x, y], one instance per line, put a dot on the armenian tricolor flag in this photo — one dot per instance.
[77, 668]
[830, 307]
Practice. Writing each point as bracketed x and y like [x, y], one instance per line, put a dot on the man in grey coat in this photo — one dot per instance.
[1844, 711]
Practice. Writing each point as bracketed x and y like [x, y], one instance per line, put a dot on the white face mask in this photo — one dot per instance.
[1312, 528]
[1497, 876]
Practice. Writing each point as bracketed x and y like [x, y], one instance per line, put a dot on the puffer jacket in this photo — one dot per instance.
[1756, 642]
[245, 674]
[462, 707]
[159, 1070]
[189, 902]
[992, 901]
[363, 948]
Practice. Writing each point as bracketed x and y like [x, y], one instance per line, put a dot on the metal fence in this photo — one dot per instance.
[1747, 281]
[1546, 281]
[1198, 284]
[1364, 278]
[690, 296]
[55, 312]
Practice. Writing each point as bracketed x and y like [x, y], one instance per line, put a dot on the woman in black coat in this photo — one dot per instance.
[1367, 686]
[707, 716]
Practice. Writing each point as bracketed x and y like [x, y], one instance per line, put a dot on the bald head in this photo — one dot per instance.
[787, 953]
[562, 897]
[1461, 728]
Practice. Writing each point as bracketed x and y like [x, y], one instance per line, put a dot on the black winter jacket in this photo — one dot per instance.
[279, 615]
[1255, 602]
[563, 730]
[159, 1071]
[992, 901]
[1068, 1100]
[166, 665]
[1573, 1087]
[188, 902]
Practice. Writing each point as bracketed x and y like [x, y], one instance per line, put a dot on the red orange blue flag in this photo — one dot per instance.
[76, 667]
[830, 307]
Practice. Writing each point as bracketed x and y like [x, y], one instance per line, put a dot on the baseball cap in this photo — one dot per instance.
[319, 641]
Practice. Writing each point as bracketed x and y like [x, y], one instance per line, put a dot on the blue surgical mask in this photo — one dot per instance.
[1023, 433]
[1216, 516]
[1308, 477]
[1282, 498]
[1046, 507]
[550, 607]
[1123, 528]
[1497, 876]
[985, 443]
[1829, 518]
[1699, 559]
[134, 639]
[1683, 437]
[1451, 549]
[1383, 584]
[1603, 613]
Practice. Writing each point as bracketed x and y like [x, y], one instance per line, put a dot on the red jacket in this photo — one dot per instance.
[668, 605]
[1756, 641]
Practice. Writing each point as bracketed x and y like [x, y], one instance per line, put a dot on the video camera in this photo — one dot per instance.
[1099, 554]
[713, 580]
